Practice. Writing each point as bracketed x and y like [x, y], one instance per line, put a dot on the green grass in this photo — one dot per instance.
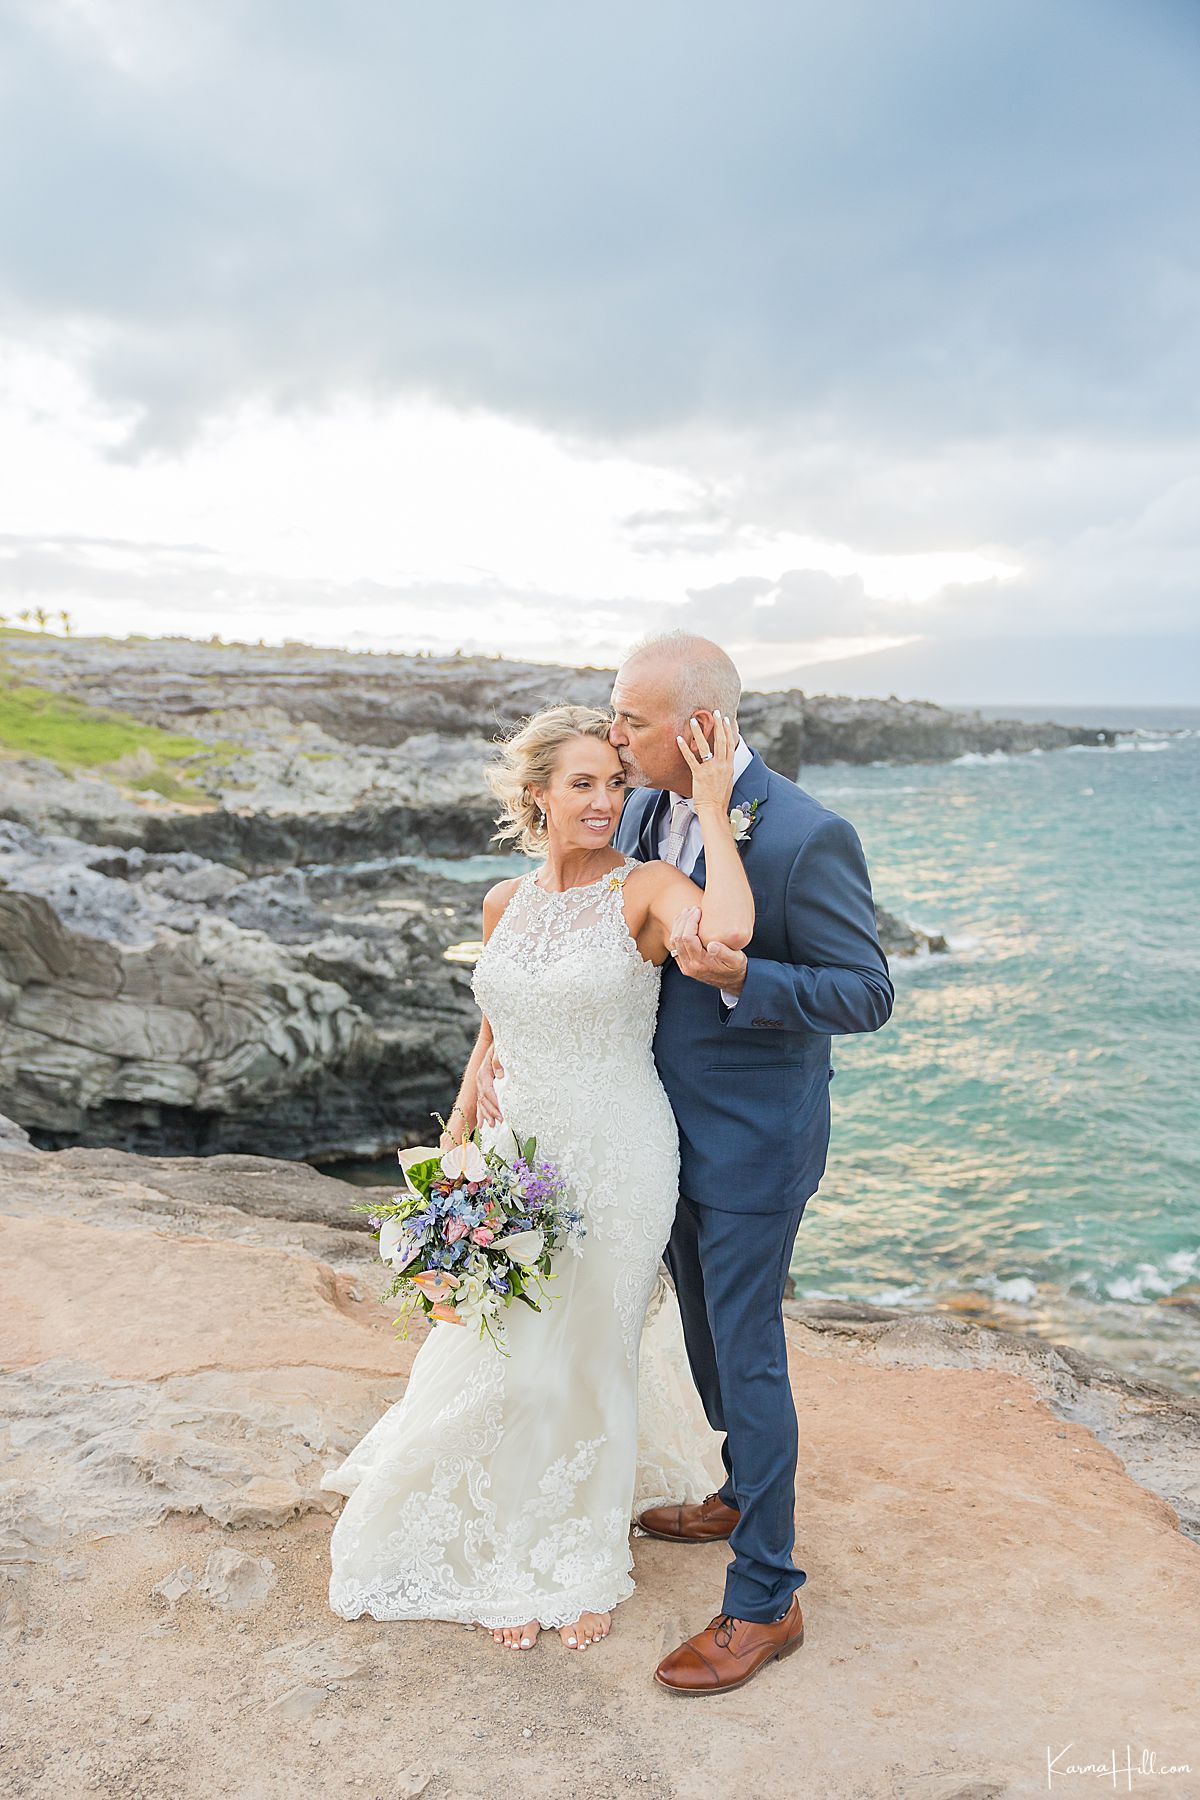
[38, 722]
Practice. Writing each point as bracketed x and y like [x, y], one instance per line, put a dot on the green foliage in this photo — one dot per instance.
[422, 1175]
[39, 722]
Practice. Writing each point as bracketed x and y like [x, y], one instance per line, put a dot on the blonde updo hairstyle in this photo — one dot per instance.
[528, 759]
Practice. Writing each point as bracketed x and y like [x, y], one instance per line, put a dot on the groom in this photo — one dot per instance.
[742, 1048]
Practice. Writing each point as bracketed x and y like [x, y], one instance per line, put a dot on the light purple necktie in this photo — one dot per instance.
[681, 818]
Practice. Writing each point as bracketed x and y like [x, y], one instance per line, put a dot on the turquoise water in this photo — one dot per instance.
[1022, 1141]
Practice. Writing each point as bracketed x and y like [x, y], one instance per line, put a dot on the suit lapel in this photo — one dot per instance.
[649, 827]
[751, 784]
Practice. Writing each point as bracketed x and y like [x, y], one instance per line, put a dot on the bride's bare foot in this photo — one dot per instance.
[588, 1628]
[516, 1637]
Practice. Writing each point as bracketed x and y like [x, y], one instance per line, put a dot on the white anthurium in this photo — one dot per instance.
[467, 1160]
[397, 1245]
[524, 1247]
[502, 1139]
[418, 1154]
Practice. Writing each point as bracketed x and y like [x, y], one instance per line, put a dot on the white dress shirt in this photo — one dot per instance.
[693, 839]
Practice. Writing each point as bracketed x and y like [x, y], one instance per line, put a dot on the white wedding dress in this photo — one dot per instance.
[500, 1488]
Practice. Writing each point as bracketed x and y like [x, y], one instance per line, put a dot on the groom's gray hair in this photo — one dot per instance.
[700, 674]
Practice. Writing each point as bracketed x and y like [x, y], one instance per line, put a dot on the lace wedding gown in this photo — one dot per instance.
[500, 1488]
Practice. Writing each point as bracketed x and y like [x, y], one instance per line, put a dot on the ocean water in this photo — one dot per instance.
[1021, 1142]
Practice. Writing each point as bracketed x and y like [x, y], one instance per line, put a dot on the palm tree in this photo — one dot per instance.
[42, 617]
[66, 623]
[25, 615]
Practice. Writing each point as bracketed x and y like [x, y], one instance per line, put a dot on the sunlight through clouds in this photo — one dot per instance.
[500, 523]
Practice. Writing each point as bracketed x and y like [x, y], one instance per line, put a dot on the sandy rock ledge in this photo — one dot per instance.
[994, 1571]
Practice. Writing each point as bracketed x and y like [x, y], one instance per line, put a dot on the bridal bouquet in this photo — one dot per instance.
[472, 1230]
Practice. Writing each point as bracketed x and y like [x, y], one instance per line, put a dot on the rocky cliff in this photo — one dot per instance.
[304, 755]
[168, 1001]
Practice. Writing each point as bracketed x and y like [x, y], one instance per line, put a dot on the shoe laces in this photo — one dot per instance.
[723, 1628]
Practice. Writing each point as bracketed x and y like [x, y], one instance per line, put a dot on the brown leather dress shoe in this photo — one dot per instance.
[694, 1522]
[729, 1652]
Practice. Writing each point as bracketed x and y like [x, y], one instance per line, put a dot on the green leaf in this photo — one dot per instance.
[424, 1174]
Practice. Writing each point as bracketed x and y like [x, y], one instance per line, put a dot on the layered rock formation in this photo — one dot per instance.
[990, 1531]
[169, 1002]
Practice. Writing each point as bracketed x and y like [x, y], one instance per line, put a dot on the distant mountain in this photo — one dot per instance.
[989, 671]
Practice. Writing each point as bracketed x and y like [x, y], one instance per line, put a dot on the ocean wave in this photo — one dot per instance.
[1124, 744]
[986, 756]
[1147, 1282]
[966, 946]
[857, 793]
[884, 1296]
[896, 1296]
[1017, 1290]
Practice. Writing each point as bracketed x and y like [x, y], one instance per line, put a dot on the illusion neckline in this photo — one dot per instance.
[582, 887]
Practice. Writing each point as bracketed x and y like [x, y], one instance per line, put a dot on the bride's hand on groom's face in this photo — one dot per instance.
[711, 764]
[717, 964]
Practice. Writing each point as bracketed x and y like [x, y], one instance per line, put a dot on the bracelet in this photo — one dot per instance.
[457, 1109]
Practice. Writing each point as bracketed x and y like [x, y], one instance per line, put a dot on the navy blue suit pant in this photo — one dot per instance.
[729, 1271]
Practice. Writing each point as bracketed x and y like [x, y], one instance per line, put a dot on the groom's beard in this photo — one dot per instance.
[635, 775]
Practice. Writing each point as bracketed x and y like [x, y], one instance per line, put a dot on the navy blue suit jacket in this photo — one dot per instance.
[750, 1084]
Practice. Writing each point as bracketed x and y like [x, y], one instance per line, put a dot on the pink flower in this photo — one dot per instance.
[481, 1235]
[434, 1284]
[455, 1229]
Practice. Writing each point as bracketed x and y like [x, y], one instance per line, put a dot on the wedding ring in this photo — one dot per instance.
[707, 757]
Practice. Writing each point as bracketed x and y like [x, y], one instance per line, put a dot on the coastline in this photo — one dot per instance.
[278, 961]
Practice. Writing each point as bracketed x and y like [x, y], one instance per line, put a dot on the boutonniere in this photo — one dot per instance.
[743, 819]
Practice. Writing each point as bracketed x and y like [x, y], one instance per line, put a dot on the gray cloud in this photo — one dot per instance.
[920, 276]
[902, 222]
[803, 603]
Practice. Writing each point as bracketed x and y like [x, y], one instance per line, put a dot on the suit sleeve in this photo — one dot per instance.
[839, 981]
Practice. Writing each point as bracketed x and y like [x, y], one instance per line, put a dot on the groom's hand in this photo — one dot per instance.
[717, 964]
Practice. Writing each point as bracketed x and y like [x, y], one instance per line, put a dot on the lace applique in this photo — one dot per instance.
[573, 1005]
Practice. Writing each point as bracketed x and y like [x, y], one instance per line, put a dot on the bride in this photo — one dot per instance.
[499, 1490]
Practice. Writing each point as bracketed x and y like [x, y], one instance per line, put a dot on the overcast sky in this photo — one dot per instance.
[862, 337]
